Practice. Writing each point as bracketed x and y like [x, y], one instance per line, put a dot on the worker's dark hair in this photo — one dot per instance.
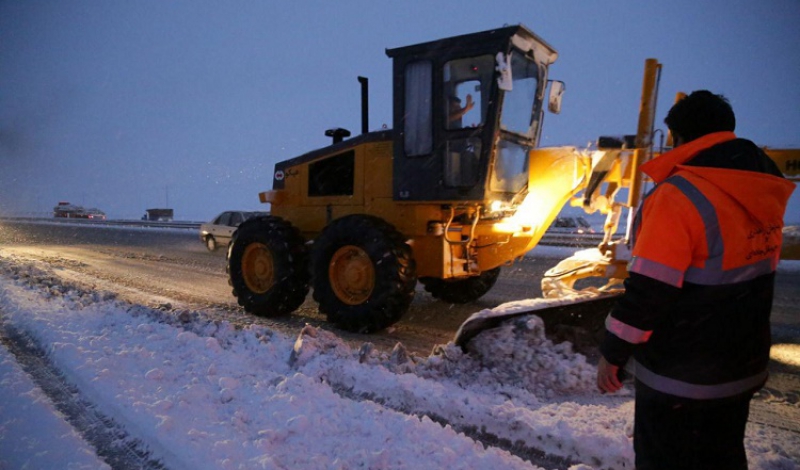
[699, 114]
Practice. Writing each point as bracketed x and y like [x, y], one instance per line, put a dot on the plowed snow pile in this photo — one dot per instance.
[516, 355]
[201, 394]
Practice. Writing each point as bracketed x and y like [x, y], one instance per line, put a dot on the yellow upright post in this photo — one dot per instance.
[644, 132]
[670, 142]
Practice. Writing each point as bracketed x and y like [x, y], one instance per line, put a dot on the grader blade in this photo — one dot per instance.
[585, 310]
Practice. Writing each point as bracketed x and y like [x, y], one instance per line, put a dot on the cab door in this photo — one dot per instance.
[466, 87]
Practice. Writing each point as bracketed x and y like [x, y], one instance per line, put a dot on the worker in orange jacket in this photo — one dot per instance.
[694, 320]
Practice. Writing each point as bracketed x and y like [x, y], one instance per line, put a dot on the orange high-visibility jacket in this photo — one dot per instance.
[707, 240]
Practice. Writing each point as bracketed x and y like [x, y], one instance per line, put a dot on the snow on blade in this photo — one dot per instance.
[491, 318]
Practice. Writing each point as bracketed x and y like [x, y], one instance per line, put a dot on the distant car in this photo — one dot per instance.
[95, 214]
[219, 231]
[571, 225]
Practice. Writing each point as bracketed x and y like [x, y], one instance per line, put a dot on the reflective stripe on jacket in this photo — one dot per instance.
[706, 244]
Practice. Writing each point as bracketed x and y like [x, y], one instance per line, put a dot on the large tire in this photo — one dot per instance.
[461, 291]
[268, 266]
[363, 273]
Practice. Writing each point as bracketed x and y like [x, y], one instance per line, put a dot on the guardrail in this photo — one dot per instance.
[549, 238]
[119, 222]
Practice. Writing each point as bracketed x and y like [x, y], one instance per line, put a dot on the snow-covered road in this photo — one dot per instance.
[182, 389]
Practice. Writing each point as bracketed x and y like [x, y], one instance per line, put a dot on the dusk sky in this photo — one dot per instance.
[129, 105]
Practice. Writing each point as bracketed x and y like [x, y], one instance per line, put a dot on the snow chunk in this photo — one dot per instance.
[313, 342]
[516, 354]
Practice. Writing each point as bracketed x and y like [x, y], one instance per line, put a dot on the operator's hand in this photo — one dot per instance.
[470, 104]
[607, 378]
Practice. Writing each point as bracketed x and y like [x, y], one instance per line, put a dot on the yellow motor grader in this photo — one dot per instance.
[456, 190]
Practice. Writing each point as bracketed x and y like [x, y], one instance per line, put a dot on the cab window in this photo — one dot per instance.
[466, 83]
[518, 103]
[419, 110]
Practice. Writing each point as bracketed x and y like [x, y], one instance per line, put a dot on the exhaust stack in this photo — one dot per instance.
[364, 81]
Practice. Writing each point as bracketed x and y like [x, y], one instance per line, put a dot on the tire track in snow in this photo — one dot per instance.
[519, 448]
[111, 442]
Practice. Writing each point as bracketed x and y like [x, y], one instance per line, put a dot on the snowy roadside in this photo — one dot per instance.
[33, 432]
[201, 394]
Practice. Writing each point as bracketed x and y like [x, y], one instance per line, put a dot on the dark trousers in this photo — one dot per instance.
[671, 433]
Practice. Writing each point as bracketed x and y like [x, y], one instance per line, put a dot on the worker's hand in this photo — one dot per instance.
[607, 376]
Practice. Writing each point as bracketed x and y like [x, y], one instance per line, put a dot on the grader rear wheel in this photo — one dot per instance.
[352, 275]
[268, 266]
[258, 268]
[363, 273]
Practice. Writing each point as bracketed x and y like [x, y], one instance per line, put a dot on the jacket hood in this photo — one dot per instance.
[664, 166]
[764, 196]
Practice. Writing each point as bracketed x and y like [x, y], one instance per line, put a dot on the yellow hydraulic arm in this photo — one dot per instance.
[616, 169]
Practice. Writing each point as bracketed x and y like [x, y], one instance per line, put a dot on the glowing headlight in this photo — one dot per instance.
[496, 206]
